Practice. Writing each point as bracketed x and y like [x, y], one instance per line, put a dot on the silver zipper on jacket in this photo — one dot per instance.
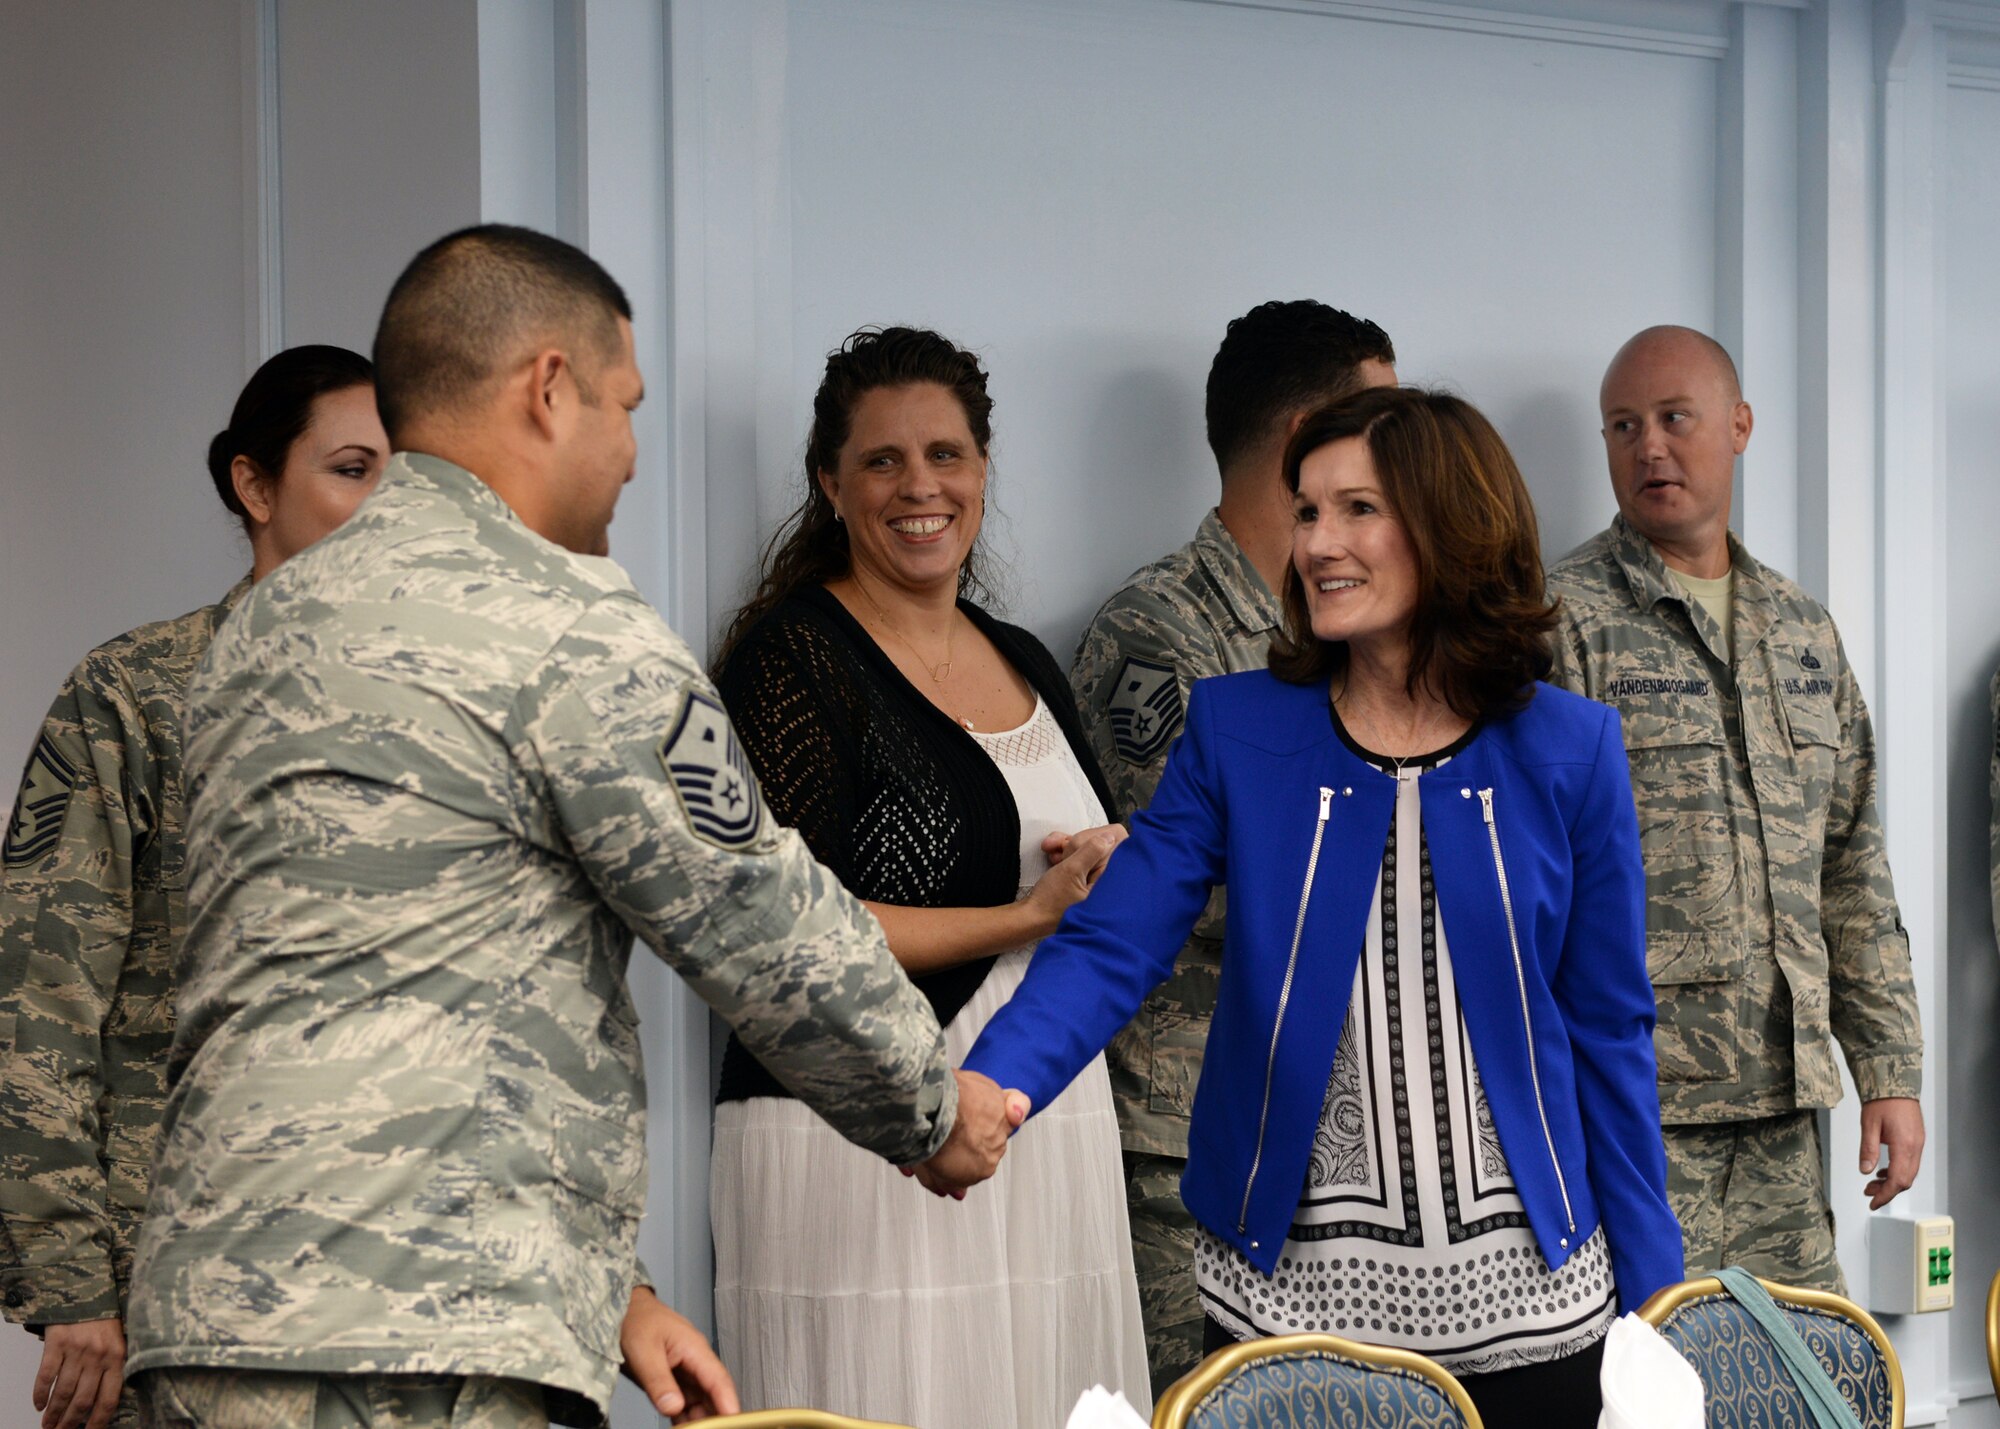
[1521, 980]
[1284, 997]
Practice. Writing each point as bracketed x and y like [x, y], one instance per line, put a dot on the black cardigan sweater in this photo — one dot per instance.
[888, 791]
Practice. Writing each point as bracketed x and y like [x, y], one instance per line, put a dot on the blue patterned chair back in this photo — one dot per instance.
[1747, 1385]
[1315, 1382]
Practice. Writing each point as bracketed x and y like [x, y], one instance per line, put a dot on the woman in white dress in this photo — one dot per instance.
[931, 757]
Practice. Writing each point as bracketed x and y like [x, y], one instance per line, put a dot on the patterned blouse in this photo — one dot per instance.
[1409, 1231]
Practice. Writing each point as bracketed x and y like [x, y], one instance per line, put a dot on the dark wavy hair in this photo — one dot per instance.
[1479, 638]
[275, 406]
[810, 547]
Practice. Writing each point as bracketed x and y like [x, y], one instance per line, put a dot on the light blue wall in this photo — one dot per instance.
[1087, 193]
[1085, 190]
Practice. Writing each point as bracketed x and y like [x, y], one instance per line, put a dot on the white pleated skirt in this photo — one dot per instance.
[841, 1284]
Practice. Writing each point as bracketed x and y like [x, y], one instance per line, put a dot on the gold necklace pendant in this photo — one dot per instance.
[939, 672]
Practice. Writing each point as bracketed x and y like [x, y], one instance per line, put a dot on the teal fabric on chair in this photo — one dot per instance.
[1746, 1382]
[1315, 1382]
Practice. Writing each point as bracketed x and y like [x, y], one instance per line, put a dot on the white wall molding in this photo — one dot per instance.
[1910, 516]
[263, 188]
[732, 276]
[1562, 26]
[1965, 76]
[1757, 285]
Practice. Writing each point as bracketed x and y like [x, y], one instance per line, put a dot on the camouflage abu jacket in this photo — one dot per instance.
[92, 884]
[1771, 920]
[1202, 610]
[440, 772]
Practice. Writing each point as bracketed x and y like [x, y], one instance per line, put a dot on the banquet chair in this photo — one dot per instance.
[1315, 1382]
[1741, 1375]
[795, 1419]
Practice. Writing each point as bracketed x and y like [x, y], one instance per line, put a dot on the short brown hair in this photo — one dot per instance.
[479, 300]
[1479, 638]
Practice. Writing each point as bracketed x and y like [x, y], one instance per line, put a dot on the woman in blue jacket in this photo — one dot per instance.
[1427, 1115]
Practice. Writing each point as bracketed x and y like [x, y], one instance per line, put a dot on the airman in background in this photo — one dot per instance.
[1772, 926]
[1208, 608]
[92, 899]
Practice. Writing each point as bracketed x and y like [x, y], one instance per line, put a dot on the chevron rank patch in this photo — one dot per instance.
[711, 774]
[1145, 709]
[38, 813]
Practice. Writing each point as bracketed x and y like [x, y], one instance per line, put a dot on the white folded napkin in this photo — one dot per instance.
[1099, 1408]
[1646, 1383]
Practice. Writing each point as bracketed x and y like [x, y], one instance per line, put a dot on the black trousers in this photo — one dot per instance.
[1556, 1394]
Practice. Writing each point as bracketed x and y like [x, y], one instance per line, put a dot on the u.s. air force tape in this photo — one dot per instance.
[1145, 709]
[711, 774]
[38, 813]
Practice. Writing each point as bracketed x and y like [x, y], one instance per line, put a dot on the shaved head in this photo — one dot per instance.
[1674, 423]
[1687, 349]
[477, 304]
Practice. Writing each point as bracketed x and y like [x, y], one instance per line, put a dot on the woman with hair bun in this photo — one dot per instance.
[932, 758]
[92, 897]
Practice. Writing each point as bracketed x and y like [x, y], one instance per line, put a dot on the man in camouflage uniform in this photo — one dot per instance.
[442, 767]
[91, 906]
[1205, 609]
[1771, 919]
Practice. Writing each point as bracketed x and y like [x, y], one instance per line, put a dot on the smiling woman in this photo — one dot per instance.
[1452, 1144]
[931, 756]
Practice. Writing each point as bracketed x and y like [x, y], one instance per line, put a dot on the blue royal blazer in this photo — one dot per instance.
[1534, 845]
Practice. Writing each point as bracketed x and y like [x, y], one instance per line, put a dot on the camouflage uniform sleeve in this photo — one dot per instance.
[1873, 994]
[1572, 662]
[657, 801]
[1138, 635]
[65, 920]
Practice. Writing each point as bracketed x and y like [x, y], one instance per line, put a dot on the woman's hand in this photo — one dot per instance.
[1075, 861]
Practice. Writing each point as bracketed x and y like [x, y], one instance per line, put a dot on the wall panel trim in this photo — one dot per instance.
[263, 189]
[1520, 24]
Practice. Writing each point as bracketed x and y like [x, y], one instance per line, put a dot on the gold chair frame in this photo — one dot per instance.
[1993, 1332]
[1178, 1404]
[796, 1419]
[1670, 1298]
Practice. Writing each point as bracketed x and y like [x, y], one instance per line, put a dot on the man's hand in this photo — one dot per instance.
[82, 1373]
[987, 1116]
[668, 1358]
[1897, 1122]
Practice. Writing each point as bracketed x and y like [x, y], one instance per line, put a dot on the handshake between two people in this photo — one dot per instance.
[987, 1114]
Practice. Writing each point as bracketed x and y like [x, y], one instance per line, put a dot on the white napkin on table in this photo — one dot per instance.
[1099, 1408]
[1646, 1383]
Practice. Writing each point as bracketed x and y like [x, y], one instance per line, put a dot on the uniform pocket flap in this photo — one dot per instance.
[1811, 719]
[600, 1157]
[1676, 958]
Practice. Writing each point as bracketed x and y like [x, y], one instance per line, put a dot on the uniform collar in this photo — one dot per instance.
[1251, 604]
[1650, 582]
[424, 472]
